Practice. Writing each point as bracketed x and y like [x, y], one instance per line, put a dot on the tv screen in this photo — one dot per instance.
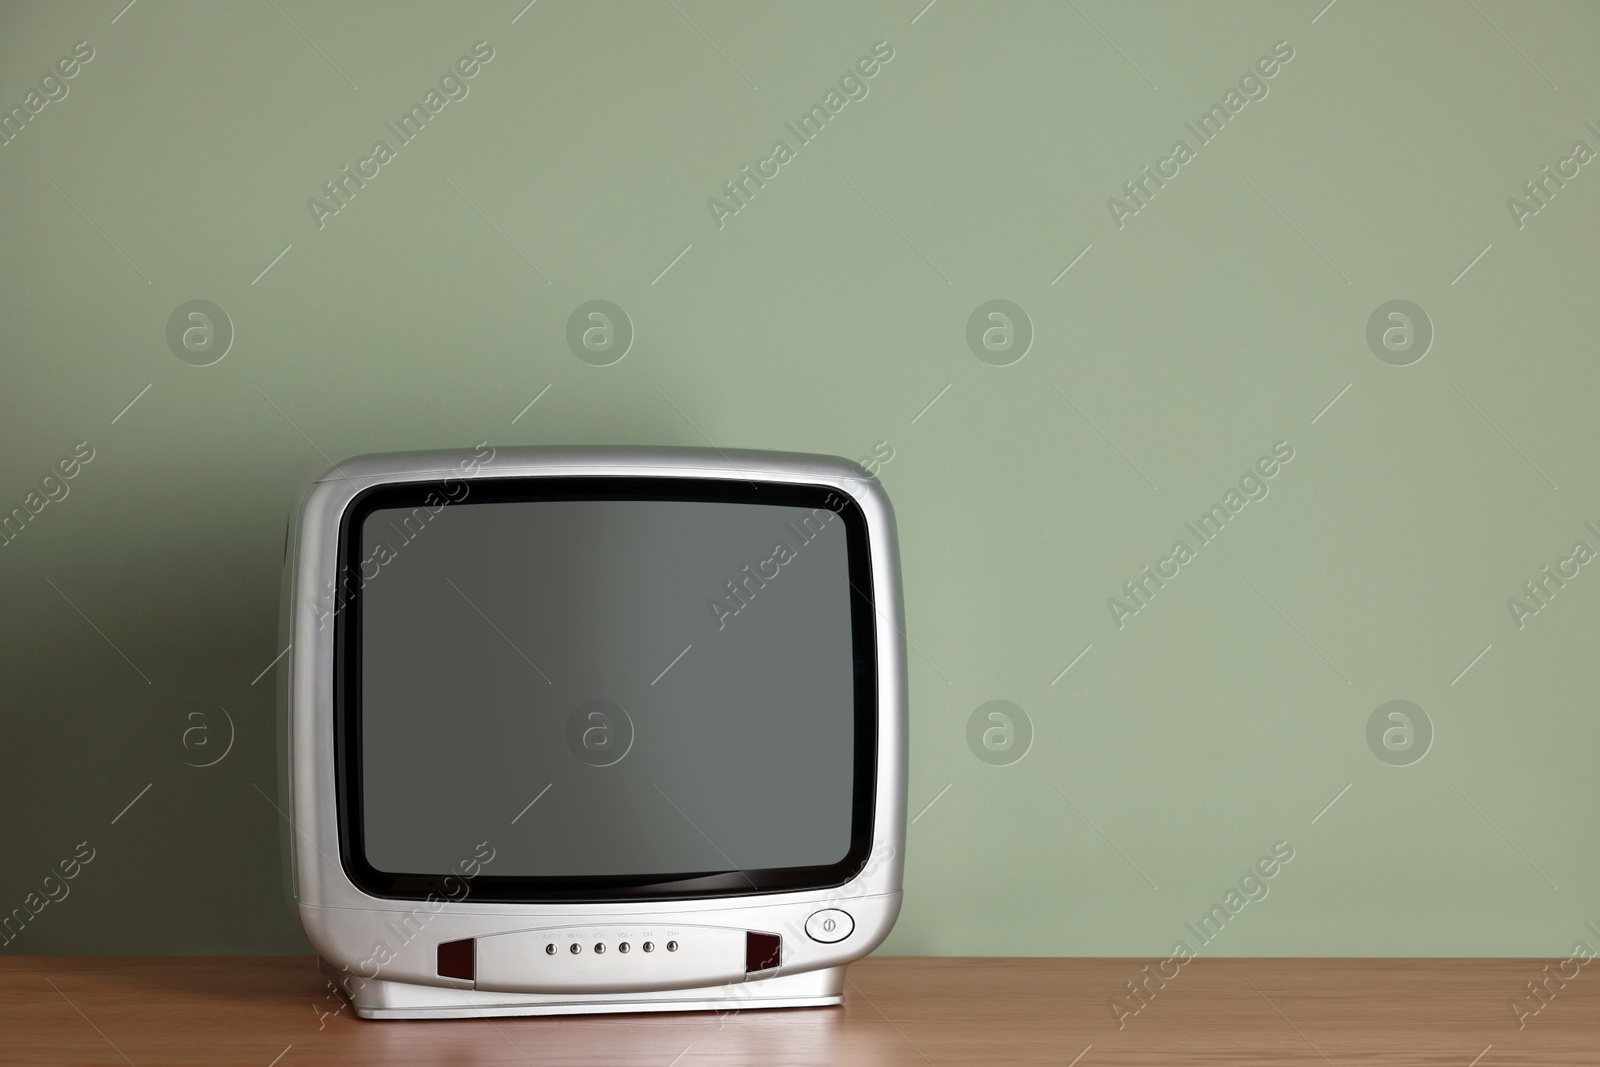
[631, 688]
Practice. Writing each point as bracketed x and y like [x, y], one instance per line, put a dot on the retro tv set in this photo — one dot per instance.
[573, 730]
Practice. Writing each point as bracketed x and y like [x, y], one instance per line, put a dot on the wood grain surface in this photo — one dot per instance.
[900, 1010]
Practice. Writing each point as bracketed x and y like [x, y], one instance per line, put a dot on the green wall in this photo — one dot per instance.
[1190, 338]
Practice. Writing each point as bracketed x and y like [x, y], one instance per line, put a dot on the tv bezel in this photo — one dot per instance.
[643, 887]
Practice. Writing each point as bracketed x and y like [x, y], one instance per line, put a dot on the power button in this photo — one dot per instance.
[829, 925]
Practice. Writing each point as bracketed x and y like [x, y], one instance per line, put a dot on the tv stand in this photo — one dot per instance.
[382, 999]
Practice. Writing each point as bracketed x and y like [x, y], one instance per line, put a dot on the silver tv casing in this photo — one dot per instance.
[346, 925]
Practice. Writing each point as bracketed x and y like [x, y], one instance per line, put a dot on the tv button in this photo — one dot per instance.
[829, 926]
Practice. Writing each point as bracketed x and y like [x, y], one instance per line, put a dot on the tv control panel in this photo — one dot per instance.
[598, 958]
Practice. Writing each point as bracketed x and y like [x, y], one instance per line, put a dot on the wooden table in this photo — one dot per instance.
[904, 1010]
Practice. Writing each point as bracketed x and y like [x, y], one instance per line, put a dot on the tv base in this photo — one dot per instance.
[381, 999]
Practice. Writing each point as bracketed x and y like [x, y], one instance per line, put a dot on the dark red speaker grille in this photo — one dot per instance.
[457, 959]
[762, 952]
